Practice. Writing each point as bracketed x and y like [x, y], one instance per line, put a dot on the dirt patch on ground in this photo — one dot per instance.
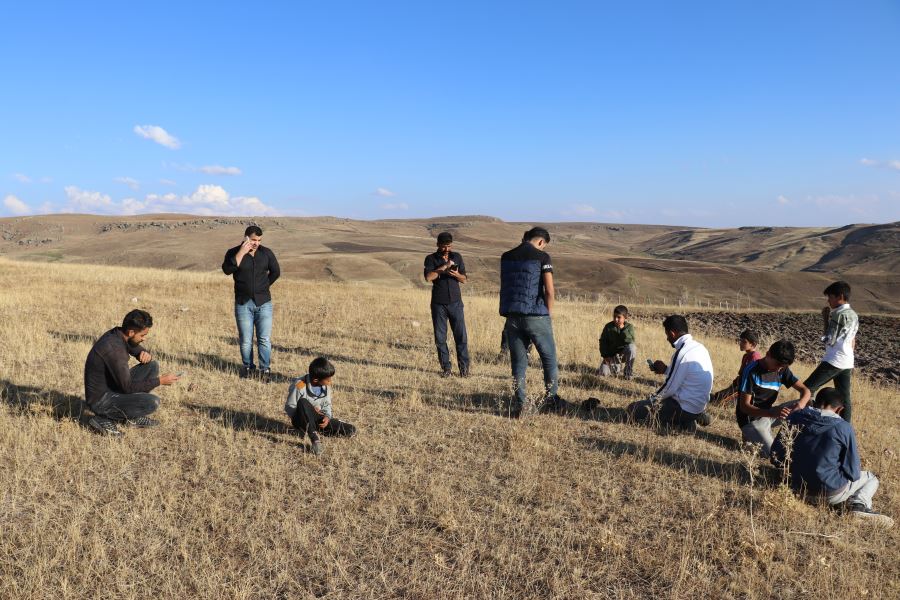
[877, 344]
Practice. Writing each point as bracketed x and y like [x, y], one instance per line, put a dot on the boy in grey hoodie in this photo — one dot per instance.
[824, 459]
[309, 405]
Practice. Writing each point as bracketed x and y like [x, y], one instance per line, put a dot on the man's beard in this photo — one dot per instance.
[132, 342]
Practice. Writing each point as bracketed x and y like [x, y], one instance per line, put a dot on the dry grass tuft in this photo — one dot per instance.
[438, 497]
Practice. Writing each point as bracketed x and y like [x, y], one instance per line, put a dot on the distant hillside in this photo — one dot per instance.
[850, 249]
[745, 267]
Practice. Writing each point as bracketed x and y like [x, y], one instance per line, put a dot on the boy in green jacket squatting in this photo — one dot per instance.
[617, 344]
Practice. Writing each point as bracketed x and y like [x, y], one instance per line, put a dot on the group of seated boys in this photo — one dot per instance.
[816, 444]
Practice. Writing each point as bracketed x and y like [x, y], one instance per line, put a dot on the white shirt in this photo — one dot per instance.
[690, 376]
[839, 345]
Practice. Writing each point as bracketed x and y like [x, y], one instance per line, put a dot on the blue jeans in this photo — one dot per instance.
[440, 314]
[248, 316]
[521, 332]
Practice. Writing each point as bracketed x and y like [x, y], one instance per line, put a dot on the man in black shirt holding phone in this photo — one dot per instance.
[445, 270]
[254, 268]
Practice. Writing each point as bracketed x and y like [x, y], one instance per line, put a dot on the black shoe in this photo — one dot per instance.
[590, 405]
[446, 373]
[143, 422]
[245, 372]
[859, 510]
[104, 426]
[464, 372]
[265, 375]
[704, 419]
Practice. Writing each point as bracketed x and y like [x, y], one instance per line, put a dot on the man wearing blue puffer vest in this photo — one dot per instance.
[526, 300]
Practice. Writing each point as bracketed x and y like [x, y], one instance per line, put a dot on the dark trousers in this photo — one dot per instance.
[440, 314]
[670, 414]
[122, 407]
[308, 421]
[824, 373]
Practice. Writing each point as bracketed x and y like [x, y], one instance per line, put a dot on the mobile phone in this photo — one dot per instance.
[179, 374]
[649, 363]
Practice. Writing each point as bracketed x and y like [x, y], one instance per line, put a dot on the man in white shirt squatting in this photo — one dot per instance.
[681, 401]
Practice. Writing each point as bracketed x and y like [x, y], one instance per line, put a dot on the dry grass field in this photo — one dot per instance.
[439, 496]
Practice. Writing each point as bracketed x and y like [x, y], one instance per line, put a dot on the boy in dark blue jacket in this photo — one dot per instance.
[825, 460]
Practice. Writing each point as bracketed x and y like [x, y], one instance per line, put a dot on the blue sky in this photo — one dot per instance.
[690, 113]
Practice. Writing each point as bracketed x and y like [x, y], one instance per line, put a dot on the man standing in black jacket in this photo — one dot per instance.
[254, 268]
[115, 393]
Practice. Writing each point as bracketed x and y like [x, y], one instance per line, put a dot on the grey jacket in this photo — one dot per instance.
[299, 389]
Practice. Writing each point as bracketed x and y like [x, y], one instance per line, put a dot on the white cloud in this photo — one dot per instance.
[894, 165]
[207, 169]
[168, 182]
[87, 201]
[219, 170]
[384, 193]
[781, 199]
[206, 200]
[21, 177]
[16, 206]
[158, 135]
[129, 181]
[46, 180]
[395, 206]
[579, 210]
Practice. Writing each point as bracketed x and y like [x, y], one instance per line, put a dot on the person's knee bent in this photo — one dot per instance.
[630, 351]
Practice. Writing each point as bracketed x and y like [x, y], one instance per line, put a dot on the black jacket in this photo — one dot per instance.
[106, 368]
[254, 276]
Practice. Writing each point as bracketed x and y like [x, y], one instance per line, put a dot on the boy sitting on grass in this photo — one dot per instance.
[617, 344]
[824, 460]
[747, 342]
[309, 405]
[762, 379]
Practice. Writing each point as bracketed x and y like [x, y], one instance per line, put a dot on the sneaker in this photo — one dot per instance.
[858, 510]
[704, 419]
[446, 373]
[317, 448]
[105, 426]
[265, 375]
[143, 422]
[464, 372]
[245, 372]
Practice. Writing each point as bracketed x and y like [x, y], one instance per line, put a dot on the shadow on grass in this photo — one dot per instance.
[62, 406]
[719, 440]
[693, 465]
[240, 420]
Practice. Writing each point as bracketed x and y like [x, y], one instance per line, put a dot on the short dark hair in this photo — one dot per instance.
[321, 368]
[676, 323]
[829, 398]
[750, 336]
[838, 288]
[253, 230]
[536, 232]
[783, 352]
[621, 310]
[445, 237]
[137, 320]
